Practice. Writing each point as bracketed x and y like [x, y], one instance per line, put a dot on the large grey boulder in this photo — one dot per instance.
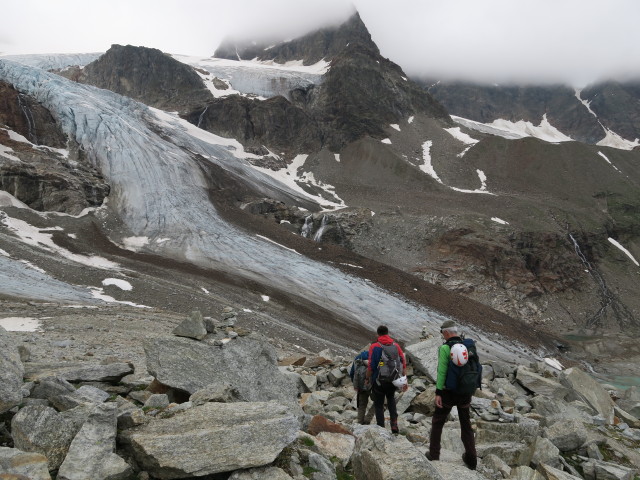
[553, 410]
[91, 454]
[545, 452]
[598, 470]
[248, 364]
[17, 462]
[43, 430]
[567, 435]
[192, 327]
[630, 401]
[79, 372]
[404, 399]
[60, 393]
[379, 455]
[540, 385]
[335, 445]
[424, 357]
[11, 373]
[494, 432]
[512, 453]
[213, 438]
[590, 391]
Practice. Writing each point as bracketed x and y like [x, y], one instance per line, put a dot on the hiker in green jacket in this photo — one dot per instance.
[447, 398]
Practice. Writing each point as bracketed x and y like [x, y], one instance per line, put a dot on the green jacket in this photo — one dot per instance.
[444, 353]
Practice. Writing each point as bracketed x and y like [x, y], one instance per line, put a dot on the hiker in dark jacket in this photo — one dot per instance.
[447, 399]
[384, 390]
[363, 391]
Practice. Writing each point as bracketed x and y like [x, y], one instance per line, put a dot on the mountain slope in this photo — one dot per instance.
[360, 156]
[603, 114]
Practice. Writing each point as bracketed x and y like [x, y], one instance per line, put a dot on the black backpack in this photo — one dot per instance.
[465, 379]
[390, 365]
[360, 375]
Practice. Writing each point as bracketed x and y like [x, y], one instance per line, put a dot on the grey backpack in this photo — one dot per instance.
[360, 375]
[390, 366]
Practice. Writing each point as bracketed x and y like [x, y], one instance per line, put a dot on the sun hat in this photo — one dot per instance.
[447, 324]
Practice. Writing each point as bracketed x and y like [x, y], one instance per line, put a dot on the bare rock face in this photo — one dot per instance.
[149, 76]
[91, 453]
[42, 430]
[17, 463]
[275, 122]
[36, 170]
[324, 43]
[590, 391]
[22, 114]
[379, 455]
[213, 438]
[248, 364]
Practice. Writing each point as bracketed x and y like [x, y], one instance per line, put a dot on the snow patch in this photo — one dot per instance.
[32, 266]
[265, 298]
[626, 252]
[337, 157]
[275, 243]
[20, 324]
[427, 168]
[135, 243]
[4, 254]
[552, 362]
[205, 290]
[291, 177]
[8, 200]
[460, 135]
[121, 284]
[99, 294]
[608, 161]
[614, 140]
[514, 130]
[395, 126]
[410, 119]
[5, 152]
[386, 140]
[499, 220]
[33, 236]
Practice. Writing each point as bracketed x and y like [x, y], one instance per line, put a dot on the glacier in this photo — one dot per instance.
[144, 154]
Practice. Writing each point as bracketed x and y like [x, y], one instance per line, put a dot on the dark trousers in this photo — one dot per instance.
[364, 416]
[449, 400]
[380, 393]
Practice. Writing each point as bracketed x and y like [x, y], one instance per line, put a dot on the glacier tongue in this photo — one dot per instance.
[160, 192]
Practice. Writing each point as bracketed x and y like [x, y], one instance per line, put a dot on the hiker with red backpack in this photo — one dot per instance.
[386, 366]
[459, 375]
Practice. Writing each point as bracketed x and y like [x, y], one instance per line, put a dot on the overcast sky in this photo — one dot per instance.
[576, 41]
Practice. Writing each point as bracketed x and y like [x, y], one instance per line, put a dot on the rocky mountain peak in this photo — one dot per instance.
[325, 43]
[147, 75]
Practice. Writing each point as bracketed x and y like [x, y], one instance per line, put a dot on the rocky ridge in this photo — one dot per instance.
[147, 75]
[113, 419]
[586, 115]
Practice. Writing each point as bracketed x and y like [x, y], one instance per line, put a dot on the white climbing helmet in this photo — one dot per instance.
[459, 354]
[400, 382]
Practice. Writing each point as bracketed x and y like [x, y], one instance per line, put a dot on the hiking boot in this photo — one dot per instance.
[470, 462]
[431, 458]
[394, 426]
